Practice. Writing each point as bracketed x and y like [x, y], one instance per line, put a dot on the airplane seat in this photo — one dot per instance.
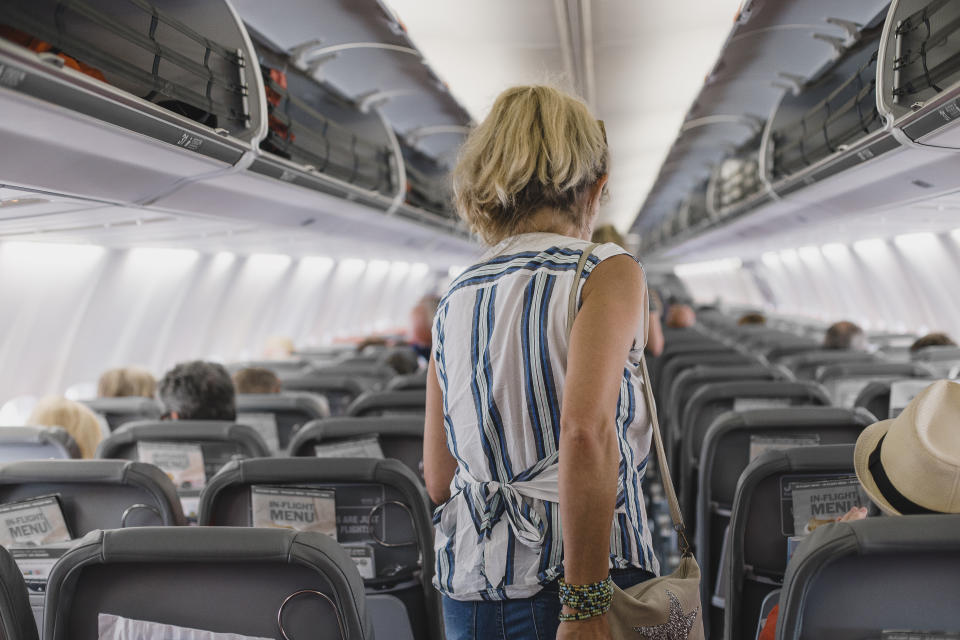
[398, 437]
[339, 389]
[777, 351]
[702, 346]
[223, 579]
[36, 443]
[663, 380]
[887, 398]
[805, 365]
[374, 375]
[16, 619]
[397, 556]
[288, 366]
[416, 380]
[389, 403]
[844, 382]
[189, 451]
[713, 400]
[944, 360]
[119, 411]
[690, 379]
[762, 524]
[851, 580]
[277, 416]
[729, 445]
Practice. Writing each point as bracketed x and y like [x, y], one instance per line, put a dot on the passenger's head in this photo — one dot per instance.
[421, 320]
[76, 419]
[198, 390]
[911, 464]
[278, 348]
[680, 316]
[538, 150]
[126, 381]
[608, 233]
[845, 335]
[752, 319]
[256, 380]
[932, 340]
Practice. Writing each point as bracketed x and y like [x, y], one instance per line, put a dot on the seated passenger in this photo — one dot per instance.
[76, 419]
[680, 316]
[198, 390]
[278, 348]
[908, 465]
[256, 380]
[845, 335]
[932, 340]
[421, 325]
[126, 381]
[752, 319]
[655, 343]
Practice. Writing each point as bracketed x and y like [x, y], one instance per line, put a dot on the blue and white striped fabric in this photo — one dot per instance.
[500, 346]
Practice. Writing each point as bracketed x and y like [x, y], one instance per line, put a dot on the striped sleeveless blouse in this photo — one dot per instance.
[500, 347]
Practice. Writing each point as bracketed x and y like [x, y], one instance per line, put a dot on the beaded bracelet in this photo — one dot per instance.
[589, 600]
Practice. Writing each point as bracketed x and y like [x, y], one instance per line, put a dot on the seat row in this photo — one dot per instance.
[376, 510]
[728, 399]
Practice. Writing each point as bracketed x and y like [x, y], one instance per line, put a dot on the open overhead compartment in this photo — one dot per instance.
[121, 101]
[919, 81]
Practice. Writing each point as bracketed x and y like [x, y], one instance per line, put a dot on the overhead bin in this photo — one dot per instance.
[828, 115]
[920, 77]
[736, 183]
[165, 91]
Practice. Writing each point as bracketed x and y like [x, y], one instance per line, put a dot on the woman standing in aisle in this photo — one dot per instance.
[534, 419]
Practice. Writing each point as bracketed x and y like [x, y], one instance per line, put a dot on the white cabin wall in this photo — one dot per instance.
[907, 283]
[71, 311]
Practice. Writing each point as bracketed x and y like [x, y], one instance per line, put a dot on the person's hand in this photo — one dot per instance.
[856, 513]
[591, 629]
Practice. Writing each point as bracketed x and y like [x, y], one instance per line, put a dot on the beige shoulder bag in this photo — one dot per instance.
[667, 607]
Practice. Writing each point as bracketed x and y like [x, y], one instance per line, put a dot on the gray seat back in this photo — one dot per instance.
[277, 416]
[805, 365]
[339, 389]
[726, 452]
[409, 381]
[875, 398]
[388, 501]
[36, 443]
[400, 437]
[119, 411]
[684, 362]
[713, 400]
[220, 441]
[16, 618]
[844, 382]
[757, 544]
[96, 494]
[389, 403]
[852, 580]
[212, 578]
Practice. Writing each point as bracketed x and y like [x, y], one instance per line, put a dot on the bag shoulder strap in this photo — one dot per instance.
[675, 515]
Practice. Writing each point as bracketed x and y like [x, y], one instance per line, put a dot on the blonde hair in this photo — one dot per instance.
[76, 419]
[538, 147]
[126, 381]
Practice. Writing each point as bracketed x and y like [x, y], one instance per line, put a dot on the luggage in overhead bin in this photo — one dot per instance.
[159, 50]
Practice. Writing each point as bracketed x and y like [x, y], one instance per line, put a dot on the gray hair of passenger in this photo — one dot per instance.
[845, 335]
[199, 390]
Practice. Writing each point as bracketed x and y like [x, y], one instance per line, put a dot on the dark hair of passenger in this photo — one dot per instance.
[256, 380]
[198, 390]
[932, 340]
[752, 319]
[845, 335]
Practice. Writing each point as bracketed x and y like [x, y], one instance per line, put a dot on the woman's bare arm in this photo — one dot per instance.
[438, 463]
[600, 342]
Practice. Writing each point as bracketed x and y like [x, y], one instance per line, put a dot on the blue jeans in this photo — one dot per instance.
[535, 618]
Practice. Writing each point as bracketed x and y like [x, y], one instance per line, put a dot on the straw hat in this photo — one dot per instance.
[911, 464]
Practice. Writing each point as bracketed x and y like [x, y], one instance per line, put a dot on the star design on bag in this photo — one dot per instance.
[677, 626]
